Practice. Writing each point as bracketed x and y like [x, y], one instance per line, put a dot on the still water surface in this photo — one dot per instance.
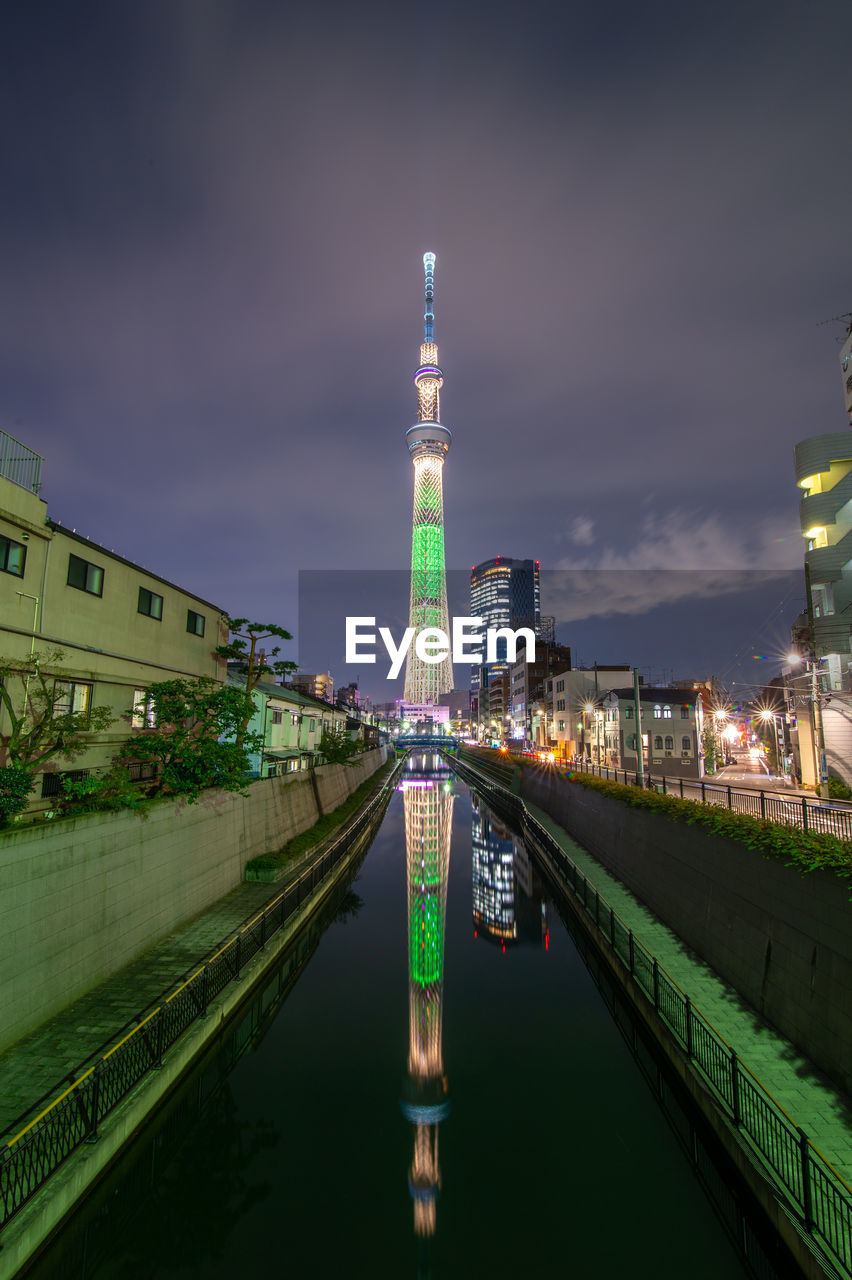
[440, 1092]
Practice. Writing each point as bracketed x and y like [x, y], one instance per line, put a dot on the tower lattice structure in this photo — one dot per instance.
[428, 831]
[428, 443]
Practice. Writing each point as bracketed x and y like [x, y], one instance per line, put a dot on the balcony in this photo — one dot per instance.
[19, 464]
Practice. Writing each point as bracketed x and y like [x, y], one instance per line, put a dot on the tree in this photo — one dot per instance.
[336, 747]
[15, 786]
[711, 748]
[49, 716]
[194, 743]
[243, 648]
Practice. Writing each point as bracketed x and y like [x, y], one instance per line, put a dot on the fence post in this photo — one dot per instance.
[656, 985]
[688, 1004]
[238, 964]
[204, 996]
[630, 946]
[161, 1028]
[762, 803]
[805, 813]
[702, 791]
[730, 802]
[665, 793]
[681, 788]
[92, 1135]
[735, 1087]
[807, 1201]
[263, 932]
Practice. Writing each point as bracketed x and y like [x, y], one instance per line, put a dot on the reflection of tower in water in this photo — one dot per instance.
[428, 804]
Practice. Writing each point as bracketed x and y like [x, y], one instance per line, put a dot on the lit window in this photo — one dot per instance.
[85, 576]
[658, 712]
[667, 713]
[143, 716]
[194, 623]
[13, 557]
[150, 604]
[72, 697]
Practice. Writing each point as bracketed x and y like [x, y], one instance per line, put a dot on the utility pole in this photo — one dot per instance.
[640, 757]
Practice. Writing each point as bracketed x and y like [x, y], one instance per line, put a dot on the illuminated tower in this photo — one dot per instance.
[428, 443]
[428, 804]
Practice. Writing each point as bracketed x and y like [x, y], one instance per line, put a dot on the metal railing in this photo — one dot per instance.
[73, 1118]
[812, 1186]
[19, 464]
[793, 811]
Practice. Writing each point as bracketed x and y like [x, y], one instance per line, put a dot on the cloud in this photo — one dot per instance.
[675, 557]
[582, 531]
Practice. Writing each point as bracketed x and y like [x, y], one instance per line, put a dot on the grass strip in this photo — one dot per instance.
[324, 826]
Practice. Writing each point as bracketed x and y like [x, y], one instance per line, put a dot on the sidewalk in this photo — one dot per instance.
[806, 1095]
[40, 1062]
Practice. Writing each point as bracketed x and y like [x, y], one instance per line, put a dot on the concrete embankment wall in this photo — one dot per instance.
[783, 940]
[83, 896]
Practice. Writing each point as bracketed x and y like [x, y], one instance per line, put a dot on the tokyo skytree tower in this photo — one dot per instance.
[428, 805]
[428, 443]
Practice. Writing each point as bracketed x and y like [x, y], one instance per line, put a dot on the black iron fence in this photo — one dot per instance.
[794, 811]
[73, 1118]
[813, 1188]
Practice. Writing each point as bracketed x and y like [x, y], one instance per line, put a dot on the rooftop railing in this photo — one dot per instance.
[19, 464]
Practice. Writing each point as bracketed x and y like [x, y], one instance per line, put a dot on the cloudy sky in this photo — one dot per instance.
[213, 219]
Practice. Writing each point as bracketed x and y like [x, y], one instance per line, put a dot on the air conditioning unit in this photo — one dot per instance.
[685, 755]
[669, 754]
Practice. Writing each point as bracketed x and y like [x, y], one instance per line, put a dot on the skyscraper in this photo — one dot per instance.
[506, 593]
[428, 443]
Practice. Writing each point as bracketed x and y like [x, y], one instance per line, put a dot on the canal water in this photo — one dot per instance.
[429, 1084]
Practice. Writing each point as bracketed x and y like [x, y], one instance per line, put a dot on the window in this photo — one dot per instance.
[51, 783]
[294, 719]
[685, 743]
[194, 623]
[658, 712]
[669, 743]
[658, 743]
[684, 713]
[560, 686]
[562, 725]
[72, 697]
[560, 704]
[85, 576]
[667, 713]
[312, 726]
[277, 717]
[143, 715]
[628, 713]
[150, 604]
[13, 557]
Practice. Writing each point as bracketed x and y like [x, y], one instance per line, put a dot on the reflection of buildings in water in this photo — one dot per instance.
[508, 899]
[428, 805]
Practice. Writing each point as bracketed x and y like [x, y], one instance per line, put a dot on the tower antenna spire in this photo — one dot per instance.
[429, 313]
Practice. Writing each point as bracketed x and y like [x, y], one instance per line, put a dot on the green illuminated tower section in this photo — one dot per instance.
[428, 443]
[428, 803]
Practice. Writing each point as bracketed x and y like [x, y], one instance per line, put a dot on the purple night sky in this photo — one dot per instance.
[213, 221]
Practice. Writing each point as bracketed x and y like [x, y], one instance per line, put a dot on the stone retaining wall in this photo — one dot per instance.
[81, 897]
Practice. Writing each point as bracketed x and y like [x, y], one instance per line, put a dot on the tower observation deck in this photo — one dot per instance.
[428, 443]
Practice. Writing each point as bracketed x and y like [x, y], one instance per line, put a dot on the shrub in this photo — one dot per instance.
[16, 784]
[96, 793]
[837, 788]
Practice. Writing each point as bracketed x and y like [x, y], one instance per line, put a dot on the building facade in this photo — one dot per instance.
[671, 732]
[317, 684]
[290, 724]
[505, 593]
[823, 466]
[119, 628]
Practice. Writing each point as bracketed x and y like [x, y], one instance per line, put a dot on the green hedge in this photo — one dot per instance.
[805, 850]
[325, 826]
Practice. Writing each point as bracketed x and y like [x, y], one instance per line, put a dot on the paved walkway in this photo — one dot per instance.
[806, 1095]
[37, 1064]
